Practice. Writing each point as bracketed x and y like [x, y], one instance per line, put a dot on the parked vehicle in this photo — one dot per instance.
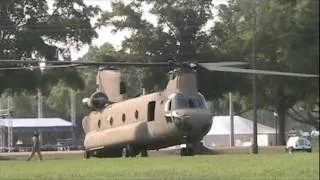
[22, 147]
[49, 147]
[298, 143]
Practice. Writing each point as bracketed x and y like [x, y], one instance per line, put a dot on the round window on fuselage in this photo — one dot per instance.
[111, 121]
[99, 123]
[136, 114]
[123, 118]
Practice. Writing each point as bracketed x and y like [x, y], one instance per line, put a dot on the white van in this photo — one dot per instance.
[297, 143]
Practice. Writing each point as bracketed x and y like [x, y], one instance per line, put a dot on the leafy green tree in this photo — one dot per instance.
[28, 30]
[179, 34]
[306, 111]
[287, 40]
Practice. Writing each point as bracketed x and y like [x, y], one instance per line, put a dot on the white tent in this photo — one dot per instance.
[219, 134]
[221, 126]
[49, 129]
[35, 122]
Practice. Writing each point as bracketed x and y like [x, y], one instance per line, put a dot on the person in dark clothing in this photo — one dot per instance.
[35, 146]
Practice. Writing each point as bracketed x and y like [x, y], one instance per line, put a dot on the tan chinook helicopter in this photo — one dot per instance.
[116, 126]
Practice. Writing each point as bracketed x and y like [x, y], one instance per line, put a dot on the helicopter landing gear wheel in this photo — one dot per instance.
[183, 152]
[309, 150]
[190, 151]
[144, 153]
[187, 151]
[87, 154]
[128, 151]
[290, 150]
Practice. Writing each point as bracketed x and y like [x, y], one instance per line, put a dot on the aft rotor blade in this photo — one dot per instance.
[37, 67]
[253, 71]
[14, 68]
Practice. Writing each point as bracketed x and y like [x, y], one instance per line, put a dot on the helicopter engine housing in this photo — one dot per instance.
[97, 100]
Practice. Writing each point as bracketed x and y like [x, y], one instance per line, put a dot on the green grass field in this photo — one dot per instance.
[228, 166]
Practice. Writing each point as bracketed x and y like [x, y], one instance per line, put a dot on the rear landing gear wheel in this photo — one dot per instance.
[128, 151]
[87, 154]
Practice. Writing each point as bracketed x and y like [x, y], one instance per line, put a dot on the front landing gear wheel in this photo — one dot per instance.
[309, 150]
[144, 153]
[190, 151]
[183, 152]
[290, 150]
[87, 154]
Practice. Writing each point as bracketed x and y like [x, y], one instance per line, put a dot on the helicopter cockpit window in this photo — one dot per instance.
[201, 101]
[192, 103]
[179, 102]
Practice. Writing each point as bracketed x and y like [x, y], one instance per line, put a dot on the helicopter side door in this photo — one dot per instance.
[151, 110]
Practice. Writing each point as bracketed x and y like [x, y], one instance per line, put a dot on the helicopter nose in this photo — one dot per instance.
[193, 120]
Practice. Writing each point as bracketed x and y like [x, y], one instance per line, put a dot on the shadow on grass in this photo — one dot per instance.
[3, 158]
[201, 150]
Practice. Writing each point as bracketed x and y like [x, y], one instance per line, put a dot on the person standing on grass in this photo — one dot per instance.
[35, 146]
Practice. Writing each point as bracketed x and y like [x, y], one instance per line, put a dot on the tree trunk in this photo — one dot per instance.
[281, 107]
[281, 124]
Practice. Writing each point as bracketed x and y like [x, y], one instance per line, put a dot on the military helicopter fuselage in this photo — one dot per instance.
[176, 115]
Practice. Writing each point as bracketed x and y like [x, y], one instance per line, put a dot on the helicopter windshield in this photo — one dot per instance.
[181, 102]
[202, 101]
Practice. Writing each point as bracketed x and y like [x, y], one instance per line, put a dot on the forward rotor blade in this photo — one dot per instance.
[216, 66]
[253, 71]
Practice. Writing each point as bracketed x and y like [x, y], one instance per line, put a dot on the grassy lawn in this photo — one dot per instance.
[232, 166]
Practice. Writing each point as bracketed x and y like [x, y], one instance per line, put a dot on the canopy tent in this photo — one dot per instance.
[219, 134]
[221, 126]
[18, 132]
[31, 124]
